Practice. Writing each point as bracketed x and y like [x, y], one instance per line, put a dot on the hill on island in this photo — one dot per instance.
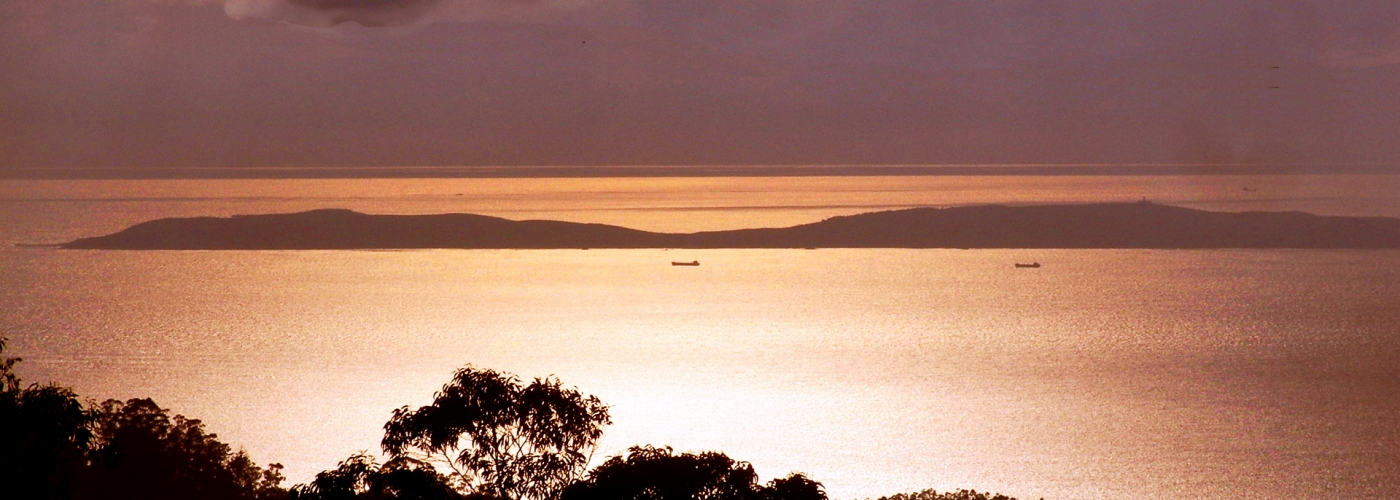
[1100, 225]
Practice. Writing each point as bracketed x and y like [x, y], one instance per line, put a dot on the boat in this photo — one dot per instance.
[691, 263]
[1033, 265]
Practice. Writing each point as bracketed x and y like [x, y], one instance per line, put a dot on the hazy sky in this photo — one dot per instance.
[228, 83]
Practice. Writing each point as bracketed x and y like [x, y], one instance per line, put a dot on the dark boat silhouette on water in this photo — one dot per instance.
[1033, 265]
[691, 263]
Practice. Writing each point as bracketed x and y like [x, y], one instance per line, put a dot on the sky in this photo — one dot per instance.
[162, 84]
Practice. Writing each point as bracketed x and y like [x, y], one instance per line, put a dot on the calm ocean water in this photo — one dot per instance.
[1104, 374]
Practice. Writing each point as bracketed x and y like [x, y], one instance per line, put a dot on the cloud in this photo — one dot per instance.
[355, 4]
[1359, 59]
[1357, 36]
[1357, 49]
[325, 13]
[376, 13]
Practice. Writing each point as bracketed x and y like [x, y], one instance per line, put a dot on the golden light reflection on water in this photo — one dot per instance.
[1106, 374]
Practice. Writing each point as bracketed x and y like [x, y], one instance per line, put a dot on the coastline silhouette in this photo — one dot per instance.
[1143, 225]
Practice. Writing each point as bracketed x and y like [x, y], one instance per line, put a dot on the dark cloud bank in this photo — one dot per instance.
[270, 83]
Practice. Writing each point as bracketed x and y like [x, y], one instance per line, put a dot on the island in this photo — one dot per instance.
[1143, 225]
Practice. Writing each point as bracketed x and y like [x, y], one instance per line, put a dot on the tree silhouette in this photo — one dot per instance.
[650, 473]
[53, 448]
[360, 478]
[43, 436]
[504, 440]
[142, 452]
[930, 494]
[795, 487]
[500, 437]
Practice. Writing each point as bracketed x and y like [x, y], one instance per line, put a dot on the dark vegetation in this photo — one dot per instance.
[54, 447]
[496, 437]
[648, 473]
[500, 437]
[947, 495]
[361, 477]
[1102, 225]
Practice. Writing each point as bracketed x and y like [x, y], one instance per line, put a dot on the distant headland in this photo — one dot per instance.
[1099, 225]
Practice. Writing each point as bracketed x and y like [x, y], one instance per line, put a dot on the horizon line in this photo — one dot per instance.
[690, 170]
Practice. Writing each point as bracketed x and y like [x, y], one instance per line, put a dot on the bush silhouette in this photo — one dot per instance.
[650, 473]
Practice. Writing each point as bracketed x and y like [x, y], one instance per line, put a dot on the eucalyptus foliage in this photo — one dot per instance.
[658, 473]
[54, 447]
[503, 440]
[502, 437]
[141, 451]
[931, 494]
[44, 434]
[360, 477]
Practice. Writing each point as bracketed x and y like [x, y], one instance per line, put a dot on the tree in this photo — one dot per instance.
[930, 494]
[43, 436]
[142, 452]
[650, 473]
[500, 437]
[51, 447]
[795, 487]
[360, 478]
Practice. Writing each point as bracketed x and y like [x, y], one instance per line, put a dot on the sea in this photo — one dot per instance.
[1103, 374]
